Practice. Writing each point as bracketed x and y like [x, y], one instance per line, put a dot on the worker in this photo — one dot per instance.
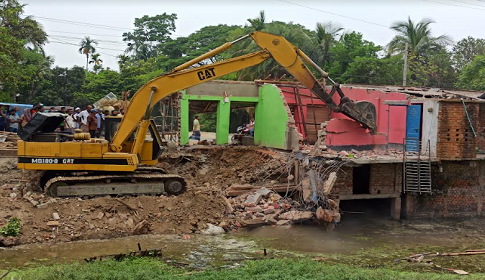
[250, 126]
[196, 129]
[26, 116]
[63, 124]
[84, 118]
[14, 121]
[99, 123]
[3, 118]
[70, 122]
[77, 118]
[92, 123]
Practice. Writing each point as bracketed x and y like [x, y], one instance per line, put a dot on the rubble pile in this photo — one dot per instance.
[8, 140]
[266, 207]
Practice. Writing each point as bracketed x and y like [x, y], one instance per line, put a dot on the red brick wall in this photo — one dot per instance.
[385, 178]
[458, 191]
[480, 130]
[455, 138]
[344, 183]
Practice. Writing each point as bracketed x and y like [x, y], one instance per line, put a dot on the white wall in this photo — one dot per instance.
[430, 125]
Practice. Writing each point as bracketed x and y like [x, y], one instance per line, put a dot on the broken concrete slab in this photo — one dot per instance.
[253, 222]
[283, 222]
[213, 230]
[253, 199]
[55, 216]
[255, 209]
[297, 216]
[264, 191]
[329, 183]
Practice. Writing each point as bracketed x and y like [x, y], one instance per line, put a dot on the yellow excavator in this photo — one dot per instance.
[124, 162]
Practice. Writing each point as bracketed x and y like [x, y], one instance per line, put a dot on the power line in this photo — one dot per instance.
[67, 43]
[448, 4]
[335, 14]
[468, 3]
[102, 26]
[85, 34]
[79, 38]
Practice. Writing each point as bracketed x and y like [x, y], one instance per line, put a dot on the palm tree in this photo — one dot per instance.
[416, 35]
[97, 62]
[326, 35]
[259, 22]
[87, 47]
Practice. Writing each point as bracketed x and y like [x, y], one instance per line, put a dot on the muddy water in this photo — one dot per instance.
[198, 251]
[355, 234]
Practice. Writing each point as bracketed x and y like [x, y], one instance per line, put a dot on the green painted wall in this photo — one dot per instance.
[184, 122]
[222, 126]
[271, 118]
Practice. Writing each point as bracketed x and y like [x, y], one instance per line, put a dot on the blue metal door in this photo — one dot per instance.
[413, 128]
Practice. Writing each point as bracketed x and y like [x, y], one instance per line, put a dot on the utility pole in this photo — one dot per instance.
[405, 70]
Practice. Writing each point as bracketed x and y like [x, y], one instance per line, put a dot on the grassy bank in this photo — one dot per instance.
[144, 268]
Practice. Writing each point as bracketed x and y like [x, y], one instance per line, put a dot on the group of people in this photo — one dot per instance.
[88, 120]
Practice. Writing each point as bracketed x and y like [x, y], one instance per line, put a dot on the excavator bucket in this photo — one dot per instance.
[363, 112]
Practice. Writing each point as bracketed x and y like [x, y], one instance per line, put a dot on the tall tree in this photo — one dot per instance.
[258, 23]
[418, 36]
[149, 34]
[473, 75]
[465, 50]
[87, 47]
[326, 35]
[97, 62]
[18, 36]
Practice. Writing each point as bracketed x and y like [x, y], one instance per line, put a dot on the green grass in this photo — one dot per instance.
[145, 268]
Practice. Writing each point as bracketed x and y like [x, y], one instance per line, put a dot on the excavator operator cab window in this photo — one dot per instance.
[111, 125]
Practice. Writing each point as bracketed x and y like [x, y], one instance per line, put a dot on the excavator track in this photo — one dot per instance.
[145, 181]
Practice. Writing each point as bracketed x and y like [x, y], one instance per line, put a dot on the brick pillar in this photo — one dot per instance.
[396, 208]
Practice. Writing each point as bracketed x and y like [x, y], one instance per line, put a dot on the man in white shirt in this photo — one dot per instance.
[84, 118]
[70, 122]
[77, 111]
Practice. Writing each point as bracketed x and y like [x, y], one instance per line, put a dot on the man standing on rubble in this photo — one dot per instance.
[84, 118]
[196, 129]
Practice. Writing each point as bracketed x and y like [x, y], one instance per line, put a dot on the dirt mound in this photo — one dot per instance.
[208, 171]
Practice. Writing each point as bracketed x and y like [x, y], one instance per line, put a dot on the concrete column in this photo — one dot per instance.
[396, 208]
[184, 122]
[222, 126]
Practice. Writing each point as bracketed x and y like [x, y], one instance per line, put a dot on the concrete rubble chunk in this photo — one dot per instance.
[13, 195]
[213, 230]
[100, 215]
[53, 223]
[283, 222]
[9, 241]
[329, 183]
[141, 228]
[263, 191]
[255, 209]
[55, 216]
[253, 199]
[296, 216]
[253, 222]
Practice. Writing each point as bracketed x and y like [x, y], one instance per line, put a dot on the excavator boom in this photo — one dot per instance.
[272, 46]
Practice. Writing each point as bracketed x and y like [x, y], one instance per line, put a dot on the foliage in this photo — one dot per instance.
[465, 50]
[12, 228]
[208, 121]
[375, 71]
[96, 86]
[432, 69]
[473, 75]
[351, 46]
[417, 35]
[17, 34]
[87, 47]
[326, 35]
[97, 62]
[145, 268]
[149, 34]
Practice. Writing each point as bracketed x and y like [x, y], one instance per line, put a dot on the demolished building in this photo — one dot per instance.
[424, 161]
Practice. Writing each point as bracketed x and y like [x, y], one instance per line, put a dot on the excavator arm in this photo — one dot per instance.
[182, 77]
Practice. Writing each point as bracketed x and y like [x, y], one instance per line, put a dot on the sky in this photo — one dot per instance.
[67, 21]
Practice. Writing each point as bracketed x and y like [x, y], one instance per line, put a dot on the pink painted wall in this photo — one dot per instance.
[342, 131]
